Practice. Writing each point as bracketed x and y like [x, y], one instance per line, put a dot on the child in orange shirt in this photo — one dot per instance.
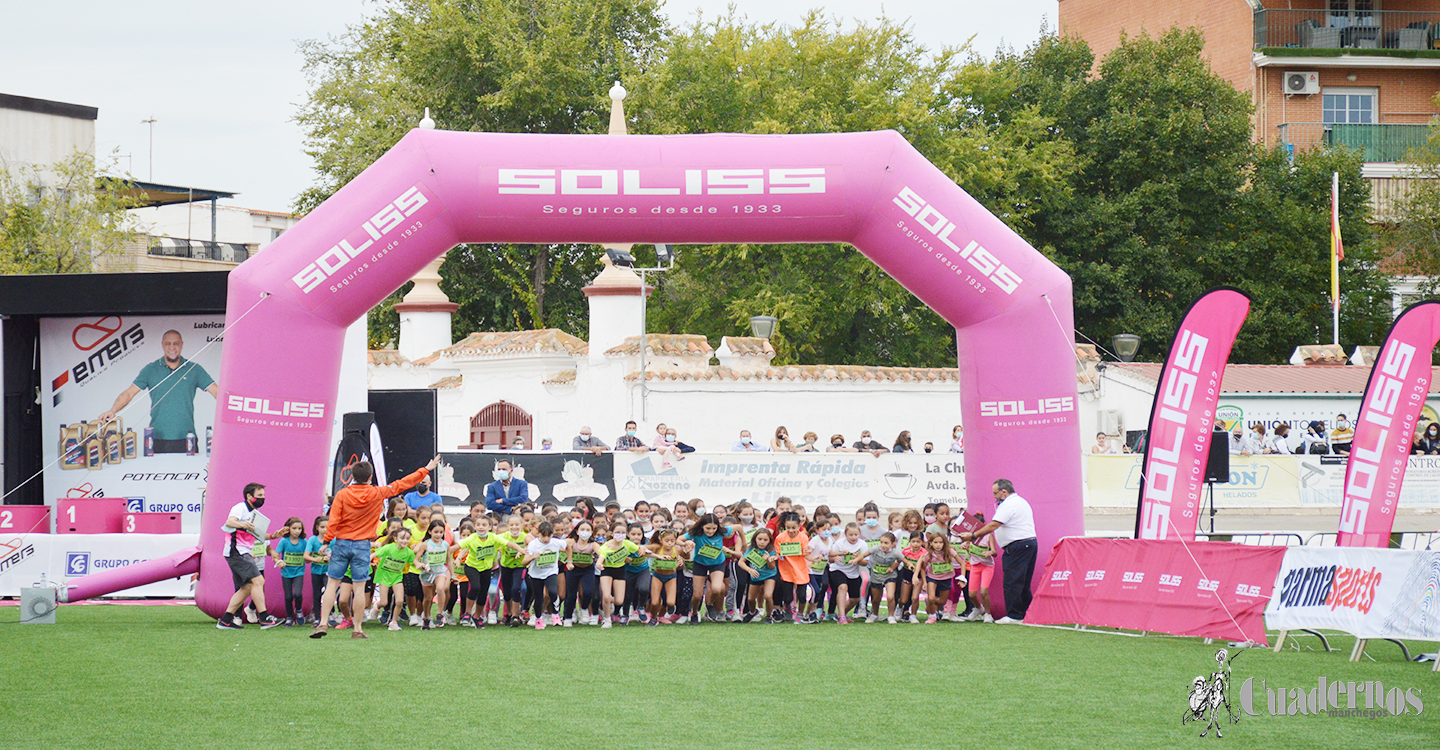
[792, 544]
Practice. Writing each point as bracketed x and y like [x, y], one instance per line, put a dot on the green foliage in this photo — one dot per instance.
[532, 66]
[61, 219]
[1416, 236]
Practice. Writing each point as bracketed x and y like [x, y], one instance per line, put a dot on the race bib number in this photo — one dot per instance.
[393, 565]
[978, 551]
[817, 565]
[848, 558]
[872, 543]
[547, 558]
[665, 566]
[294, 559]
[259, 550]
[582, 558]
[617, 558]
[789, 549]
[482, 558]
[710, 552]
[435, 559]
[940, 569]
[756, 558]
[882, 570]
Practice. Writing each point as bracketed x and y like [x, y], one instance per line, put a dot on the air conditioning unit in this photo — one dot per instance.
[1302, 82]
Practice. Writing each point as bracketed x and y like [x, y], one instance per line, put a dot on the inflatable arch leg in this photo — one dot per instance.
[1011, 307]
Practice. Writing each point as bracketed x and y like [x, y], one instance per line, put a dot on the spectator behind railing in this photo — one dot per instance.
[1314, 439]
[747, 444]
[1280, 443]
[1255, 441]
[673, 439]
[957, 440]
[837, 444]
[902, 443]
[810, 444]
[1341, 436]
[868, 444]
[781, 442]
[1237, 441]
[628, 441]
[666, 445]
[1104, 446]
[586, 441]
[1430, 440]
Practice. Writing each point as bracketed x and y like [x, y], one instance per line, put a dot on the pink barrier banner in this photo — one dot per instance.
[1183, 417]
[1212, 590]
[1389, 411]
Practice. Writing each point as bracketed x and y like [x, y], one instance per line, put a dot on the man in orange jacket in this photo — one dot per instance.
[354, 513]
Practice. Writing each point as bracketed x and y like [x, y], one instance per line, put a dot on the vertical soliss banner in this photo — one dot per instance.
[155, 453]
[1389, 412]
[1183, 417]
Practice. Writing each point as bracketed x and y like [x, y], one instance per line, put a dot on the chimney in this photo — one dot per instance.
[617, 307]
[1318, 355]
[745, 354]
[425, 314]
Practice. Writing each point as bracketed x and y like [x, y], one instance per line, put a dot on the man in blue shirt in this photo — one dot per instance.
[421, 496]
[506, 492]
[172, 381]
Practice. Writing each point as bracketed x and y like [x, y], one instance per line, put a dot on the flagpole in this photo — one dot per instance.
[1335, 255]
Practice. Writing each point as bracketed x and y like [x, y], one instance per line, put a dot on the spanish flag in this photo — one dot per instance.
[1337, 248]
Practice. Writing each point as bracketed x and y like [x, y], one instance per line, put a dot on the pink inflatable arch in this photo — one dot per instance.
[1010, 306]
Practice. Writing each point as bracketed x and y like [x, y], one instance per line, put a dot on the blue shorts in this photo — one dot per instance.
[701, 570]
[351, 555]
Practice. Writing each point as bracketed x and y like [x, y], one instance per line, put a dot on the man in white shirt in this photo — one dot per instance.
[747, 445]
[240, 545]
[1014, 527]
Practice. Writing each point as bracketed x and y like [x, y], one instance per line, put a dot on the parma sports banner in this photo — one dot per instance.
[1370, 593]
[150, 370]
[1183, 416]
[1157, 586]
[1389, 411]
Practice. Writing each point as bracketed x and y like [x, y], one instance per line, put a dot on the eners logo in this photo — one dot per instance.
[785, 181]
[384, 221]
[983, 260]
[1379, 412]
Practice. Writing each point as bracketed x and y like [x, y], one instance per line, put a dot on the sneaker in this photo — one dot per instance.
[843, 620]
[320, 631]
[394, 624]
[930, 620]
[359, 635]
[987, 618]
[952, 617]
[555, 619]
[625, 620]
[490, 617]
[269, 621]
[288, 622]
[652, 622]
[748, 617]
[439, 623]
[890, 619]
[871, 619]
[1007, 620]
[345, 624]
[567, 623]
[540, 623]
[605, 625]
[424, 624]
[694, 618]
[228, 624]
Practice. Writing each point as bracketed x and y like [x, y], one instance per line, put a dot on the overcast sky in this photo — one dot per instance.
[223, 80]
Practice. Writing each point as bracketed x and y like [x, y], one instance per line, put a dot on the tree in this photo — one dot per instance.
[61, 219]
[532, 66]
[835, 306]
[1416, 235]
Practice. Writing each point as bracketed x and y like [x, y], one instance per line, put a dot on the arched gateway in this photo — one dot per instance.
[289, 306]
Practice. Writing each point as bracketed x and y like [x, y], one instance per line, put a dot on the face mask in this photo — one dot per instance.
[630, 433]
[1342, 424]
[929, 450]
[257, 502]
[500, 474]
[825, 533]
[836, 445]
[585, 436]
[583, 534]
[929, 519]
[872, 522]
[747, 519]
[669, 438]
[745, 440]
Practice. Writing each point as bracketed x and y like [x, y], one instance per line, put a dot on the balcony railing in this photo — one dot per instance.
[1319, 29]
[1377, 143]
[170, 247]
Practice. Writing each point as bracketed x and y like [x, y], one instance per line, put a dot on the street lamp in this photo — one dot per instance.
[763, 326]
[1125, 346]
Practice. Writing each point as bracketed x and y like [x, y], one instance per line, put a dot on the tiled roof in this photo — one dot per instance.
[678, 344]
[541, 341]
[453, 381]
[385, 357]
[564, 377]
[834, 373]
[1349, 379]
[750, 346]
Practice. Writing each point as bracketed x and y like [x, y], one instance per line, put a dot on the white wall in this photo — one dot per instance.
[33, 139]
[192, 220]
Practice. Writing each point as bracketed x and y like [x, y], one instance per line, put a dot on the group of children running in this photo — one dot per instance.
[654, 567]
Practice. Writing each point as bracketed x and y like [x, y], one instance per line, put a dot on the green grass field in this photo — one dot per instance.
[161, 677]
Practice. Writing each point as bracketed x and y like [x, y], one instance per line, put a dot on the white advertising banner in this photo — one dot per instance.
[155, 454]
[1368, 592]
[60, 558]
[843, 481]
